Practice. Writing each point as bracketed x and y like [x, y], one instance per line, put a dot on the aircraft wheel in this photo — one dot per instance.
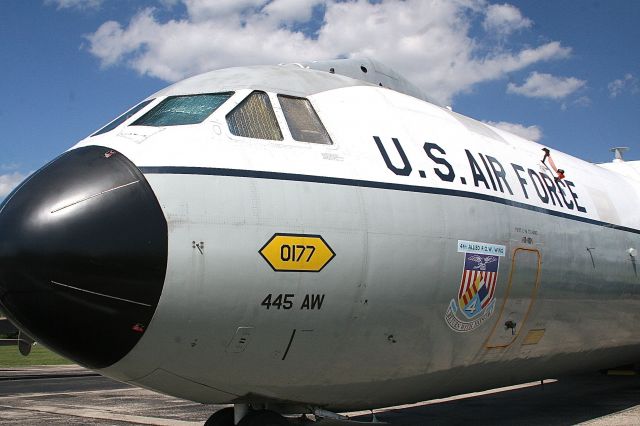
[222, 417]
[264, 418]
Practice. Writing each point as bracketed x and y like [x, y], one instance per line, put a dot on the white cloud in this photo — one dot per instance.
[504, 19]
[218, 10]
[583, 101]
[532, 133]
[540, 85]
[627, 83]
[291, 10]
[75, 4]
[9, 166]
[429, 42]
[9, 181]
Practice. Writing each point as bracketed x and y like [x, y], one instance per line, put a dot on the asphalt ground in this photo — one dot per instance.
[71, 395]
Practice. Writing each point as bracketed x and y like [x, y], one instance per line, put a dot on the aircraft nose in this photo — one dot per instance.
[83, 255]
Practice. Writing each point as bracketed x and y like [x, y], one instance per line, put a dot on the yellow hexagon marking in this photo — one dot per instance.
[297, 253]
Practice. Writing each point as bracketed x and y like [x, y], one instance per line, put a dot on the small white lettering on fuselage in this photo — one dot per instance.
[480, 248]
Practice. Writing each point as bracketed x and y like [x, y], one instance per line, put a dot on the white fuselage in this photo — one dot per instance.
[380, 335]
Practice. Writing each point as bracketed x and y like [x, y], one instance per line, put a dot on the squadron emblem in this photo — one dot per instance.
[475, 302]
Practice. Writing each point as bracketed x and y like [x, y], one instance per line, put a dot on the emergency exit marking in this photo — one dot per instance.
[297, 253]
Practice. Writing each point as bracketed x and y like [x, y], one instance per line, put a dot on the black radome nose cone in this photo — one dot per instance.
[83, 255]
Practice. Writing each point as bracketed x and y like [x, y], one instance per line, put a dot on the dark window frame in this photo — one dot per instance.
[116, 122]
[314, 116]
[234, 126]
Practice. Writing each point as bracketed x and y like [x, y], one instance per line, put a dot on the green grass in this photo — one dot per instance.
[11, 357]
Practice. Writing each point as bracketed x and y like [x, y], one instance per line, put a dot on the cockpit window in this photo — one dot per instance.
[179, 110]
[304, 123]
[124, 117]
[254, 118]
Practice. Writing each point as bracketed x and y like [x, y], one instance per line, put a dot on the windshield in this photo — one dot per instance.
[179, 110]
[118, 121]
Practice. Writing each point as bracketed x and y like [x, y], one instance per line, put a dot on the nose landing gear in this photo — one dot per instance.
[245, 417]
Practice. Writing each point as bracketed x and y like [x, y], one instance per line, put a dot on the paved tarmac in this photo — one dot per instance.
[71, 395]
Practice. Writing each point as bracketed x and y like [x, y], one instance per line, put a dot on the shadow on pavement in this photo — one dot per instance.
[568, 401]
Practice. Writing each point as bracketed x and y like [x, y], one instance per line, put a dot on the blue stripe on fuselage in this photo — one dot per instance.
[179, 170]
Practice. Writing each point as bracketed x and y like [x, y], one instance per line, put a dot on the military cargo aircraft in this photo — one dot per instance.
[321, 237]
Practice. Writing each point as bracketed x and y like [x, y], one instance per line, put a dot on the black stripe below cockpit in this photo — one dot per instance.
[378, 185]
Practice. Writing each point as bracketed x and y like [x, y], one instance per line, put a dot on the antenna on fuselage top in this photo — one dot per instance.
[618, 151]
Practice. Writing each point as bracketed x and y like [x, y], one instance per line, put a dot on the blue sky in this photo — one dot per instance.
[563, 72]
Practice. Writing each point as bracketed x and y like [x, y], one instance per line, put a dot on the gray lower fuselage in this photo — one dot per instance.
[380, 336]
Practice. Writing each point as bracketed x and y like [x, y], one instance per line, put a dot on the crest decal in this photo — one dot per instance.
[475, 301]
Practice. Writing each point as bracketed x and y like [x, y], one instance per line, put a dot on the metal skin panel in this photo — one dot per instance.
[519, 297]
[392, 197]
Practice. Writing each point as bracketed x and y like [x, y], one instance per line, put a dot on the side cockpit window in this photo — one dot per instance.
[254, 118]
[124, 117]
[184, 109]
[304, 123]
